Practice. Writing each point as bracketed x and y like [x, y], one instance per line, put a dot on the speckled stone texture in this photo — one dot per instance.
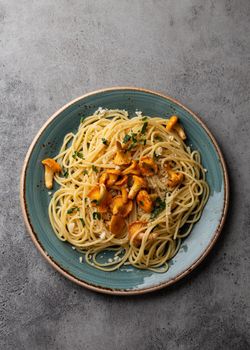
[196, 51]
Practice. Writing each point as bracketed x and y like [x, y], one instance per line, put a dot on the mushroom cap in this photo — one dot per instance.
[144, 201]
[171, 122]
[52, 164]
[117, 225]
[133, 169]
[135, 229]
[118, 206]
[147, 166]
[139, 183]
[97, 194]
[121, 158]
[122, 181]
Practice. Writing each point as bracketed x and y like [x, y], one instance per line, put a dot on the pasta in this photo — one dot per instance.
[129, 186]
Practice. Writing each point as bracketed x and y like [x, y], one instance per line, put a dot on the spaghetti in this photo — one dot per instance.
[130, 186]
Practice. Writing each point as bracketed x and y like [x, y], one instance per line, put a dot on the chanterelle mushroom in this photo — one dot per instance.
[172, 122]
[147, 166]
[144, 201]
[174, 178]
[51, 167]
[121, 158]
[117, 225]
[122, 181]
[138, 184]
[136, 232]
[175, 126]
[97, 194]
[121, 207]
[180, 131]
[109, 177]
[133, 169]
[103, 207]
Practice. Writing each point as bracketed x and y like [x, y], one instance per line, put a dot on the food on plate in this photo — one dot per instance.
[130, 186]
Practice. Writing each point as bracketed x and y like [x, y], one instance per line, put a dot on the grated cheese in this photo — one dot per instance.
[103, 235]
[71, 226]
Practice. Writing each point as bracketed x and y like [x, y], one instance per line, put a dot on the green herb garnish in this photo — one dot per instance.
[94, 168]
[144, 119]
[88, 144]
[96, 216]
[66, 174]
[82, 221]
[95, 201]
[141, 203]
[70, 211]
[85, 172]
[144, 128]
[159, 206]
[104, 141]
[126, 138]
[82, 119]
[133, 137]
[77, 154]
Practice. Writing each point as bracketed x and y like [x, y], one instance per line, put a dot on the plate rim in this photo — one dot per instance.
[106, 290]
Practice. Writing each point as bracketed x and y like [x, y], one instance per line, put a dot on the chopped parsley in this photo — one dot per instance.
[85, 172]
[96, 216]
[158, 138]
[82, 221]
[143, 141]
[94, 168]
[126, 138]
[82, 119]
[144, 119]
[88, 144]
[133, 137]
[131, 146]
[77, 154]
[70, 211]
[104, 141]
[95, 201]
[144, 128]
[66, 173]
[159, 206]
[141, 203]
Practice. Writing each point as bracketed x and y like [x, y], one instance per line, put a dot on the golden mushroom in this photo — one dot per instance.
[121, 158]
[51, 167]
[144, 201]
[117, 225]
[147, 166]
[138, 184]
[174, 178]
[133, 169]
[136, 231]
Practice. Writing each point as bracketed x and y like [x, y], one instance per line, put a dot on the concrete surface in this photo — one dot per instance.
[196, 51]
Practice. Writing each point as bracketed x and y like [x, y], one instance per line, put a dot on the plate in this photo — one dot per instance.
[35, 197]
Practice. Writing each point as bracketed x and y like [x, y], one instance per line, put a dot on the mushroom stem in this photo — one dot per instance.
[48, 174]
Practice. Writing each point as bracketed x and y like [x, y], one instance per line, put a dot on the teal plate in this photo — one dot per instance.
[35, 198]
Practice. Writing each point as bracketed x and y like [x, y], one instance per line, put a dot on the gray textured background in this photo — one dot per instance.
[196, 51]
